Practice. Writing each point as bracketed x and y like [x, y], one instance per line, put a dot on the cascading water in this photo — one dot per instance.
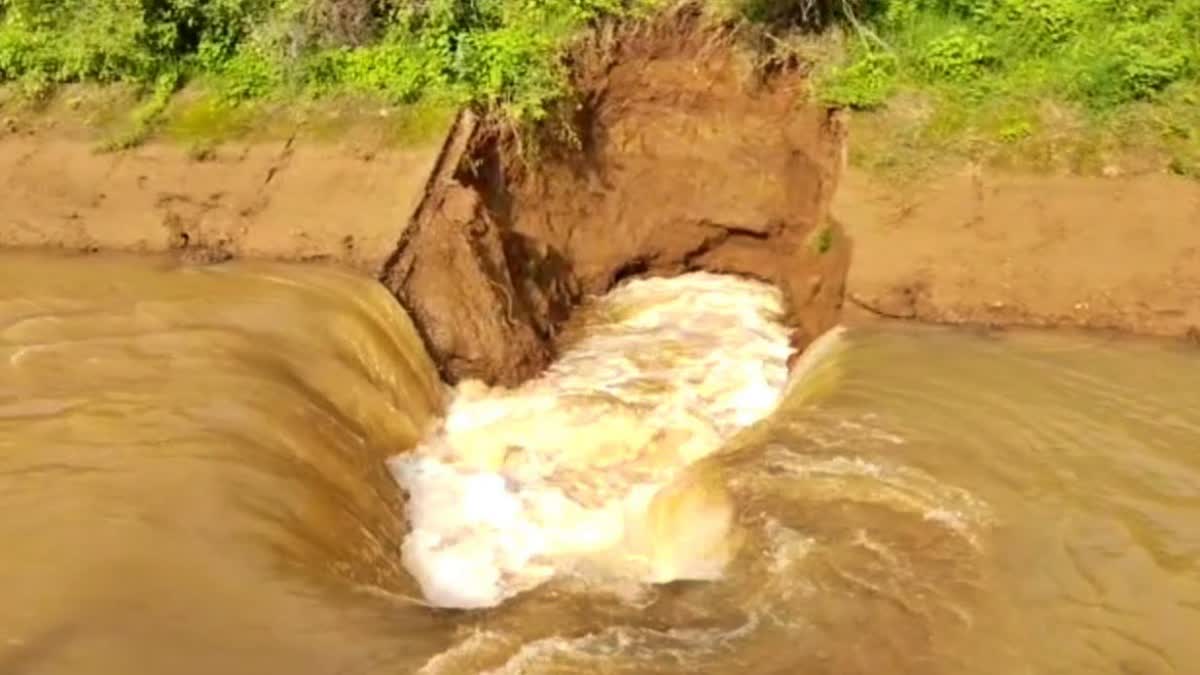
[587, 467]
[194, 479]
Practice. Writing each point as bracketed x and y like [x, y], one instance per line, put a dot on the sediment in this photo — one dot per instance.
[678, 154]
[682, 157]
[285, 200]
[992, 248]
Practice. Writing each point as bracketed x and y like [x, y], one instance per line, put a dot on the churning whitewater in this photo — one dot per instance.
[592, 468]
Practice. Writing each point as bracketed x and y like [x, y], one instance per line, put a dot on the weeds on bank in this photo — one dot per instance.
[145, 116]
[1054, 83]
[1044, 83]
[497, 53]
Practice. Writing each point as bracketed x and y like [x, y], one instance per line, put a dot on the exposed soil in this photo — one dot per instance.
[282, 200]
[685, 161]
[1007, 249]
[684, 157]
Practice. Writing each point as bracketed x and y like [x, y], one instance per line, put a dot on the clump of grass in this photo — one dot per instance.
[145, 116]
[1041, 82]
[1046, 82]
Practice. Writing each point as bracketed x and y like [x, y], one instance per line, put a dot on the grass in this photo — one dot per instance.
[1057, 85]
[252, 66]
[118, 117]
[1085, 86]
[919, 131]
[501, 54]
[199, 117]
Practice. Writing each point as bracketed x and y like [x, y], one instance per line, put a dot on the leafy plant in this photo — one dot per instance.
[1135, 63]
[865, 83]
[957, 56]
[1036, 26]
[503, 53]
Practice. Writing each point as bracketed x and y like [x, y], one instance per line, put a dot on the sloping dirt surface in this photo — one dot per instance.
[684, 160]
[984, 248]
[285, 200]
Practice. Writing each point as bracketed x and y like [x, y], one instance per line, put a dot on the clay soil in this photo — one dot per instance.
[1004, 249]
[292, 198]
[681, 156]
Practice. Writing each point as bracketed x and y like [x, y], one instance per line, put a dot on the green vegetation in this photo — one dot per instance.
[498, 53]
[823, 241]
[1050, 83]
[1075, 84]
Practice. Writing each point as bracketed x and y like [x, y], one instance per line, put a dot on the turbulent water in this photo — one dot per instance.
[585, 469]
[194, 477]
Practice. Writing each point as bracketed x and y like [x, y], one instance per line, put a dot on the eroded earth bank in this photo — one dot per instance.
[210, 455]
[679, 155]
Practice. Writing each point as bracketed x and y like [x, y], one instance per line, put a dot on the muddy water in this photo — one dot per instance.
[193, 478]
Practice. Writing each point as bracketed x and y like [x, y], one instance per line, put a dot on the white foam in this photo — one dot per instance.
[901, 487]
[587, 466]
[591, 652]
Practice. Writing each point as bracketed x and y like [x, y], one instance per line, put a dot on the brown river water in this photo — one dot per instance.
[245, 469]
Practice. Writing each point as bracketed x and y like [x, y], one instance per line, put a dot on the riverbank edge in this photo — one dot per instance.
[914, 276]
[488, 243]
[469, 234]
[981, 247]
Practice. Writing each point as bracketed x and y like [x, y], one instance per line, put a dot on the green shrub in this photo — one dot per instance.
[247, 74]
[1135, 63]
[497, 52]
[401, 69]
[1099, 53]
[805, 14]
[899, 13]
[117, 40]
[957, 56]
[867, 82]
[1037, 25]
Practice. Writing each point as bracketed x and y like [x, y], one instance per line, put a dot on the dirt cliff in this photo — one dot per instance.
[683, 157]
[678, 154]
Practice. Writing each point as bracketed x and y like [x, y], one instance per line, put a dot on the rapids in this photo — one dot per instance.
[586, 465]
[252, 468]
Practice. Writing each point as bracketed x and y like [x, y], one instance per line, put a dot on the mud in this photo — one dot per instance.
[679, 155]
[990, 248]
[683, 159]
[286, 200]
